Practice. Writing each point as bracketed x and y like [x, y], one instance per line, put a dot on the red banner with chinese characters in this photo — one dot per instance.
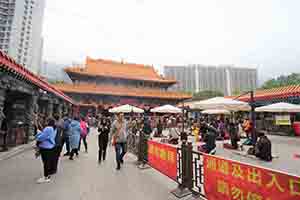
[163, 157]
[230, 180]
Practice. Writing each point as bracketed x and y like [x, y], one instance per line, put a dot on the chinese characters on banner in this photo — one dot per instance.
[230, 180]
[163, 157]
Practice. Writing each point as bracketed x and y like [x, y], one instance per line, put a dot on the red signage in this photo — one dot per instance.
[230, 180]
[163, 157]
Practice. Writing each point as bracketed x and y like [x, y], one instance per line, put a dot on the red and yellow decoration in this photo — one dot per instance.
[230, 180]
[163, 157]
[271, 94]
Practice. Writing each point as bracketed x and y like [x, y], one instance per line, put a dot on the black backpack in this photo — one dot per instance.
[58, 137]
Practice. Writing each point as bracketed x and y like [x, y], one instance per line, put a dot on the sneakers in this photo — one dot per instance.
[43, 180]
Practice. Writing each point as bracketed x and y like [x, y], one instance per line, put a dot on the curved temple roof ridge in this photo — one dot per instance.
[11, 65]
[115, 69]
[285, 91]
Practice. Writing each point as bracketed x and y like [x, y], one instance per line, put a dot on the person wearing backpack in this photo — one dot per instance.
[46, 144]
[58, 143]
[84, 133]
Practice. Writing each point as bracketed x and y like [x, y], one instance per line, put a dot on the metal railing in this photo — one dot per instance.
[190, 177]
[132, 143]
[189, 168]
[137, 144]
[198, 175]
[179, 164]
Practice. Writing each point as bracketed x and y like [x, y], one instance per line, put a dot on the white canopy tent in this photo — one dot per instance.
[279, 108]
[216, 111]
[166, 109]
[126, 109]
[222, 103]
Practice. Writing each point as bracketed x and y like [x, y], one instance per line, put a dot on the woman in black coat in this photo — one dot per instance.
[233, 132]
[103, 137]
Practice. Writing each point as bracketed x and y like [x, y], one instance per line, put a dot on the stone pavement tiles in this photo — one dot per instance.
[283, 147]
[82, 179]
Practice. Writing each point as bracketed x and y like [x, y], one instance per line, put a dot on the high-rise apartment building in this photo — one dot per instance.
[226, 78]
[21, 31]
[54, 72]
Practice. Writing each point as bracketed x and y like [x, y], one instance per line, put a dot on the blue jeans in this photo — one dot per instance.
[120, 151]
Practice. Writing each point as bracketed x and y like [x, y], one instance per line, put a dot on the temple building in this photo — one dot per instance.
[102, 84]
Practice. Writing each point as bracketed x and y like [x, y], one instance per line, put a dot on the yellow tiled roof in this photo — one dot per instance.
[108, 68]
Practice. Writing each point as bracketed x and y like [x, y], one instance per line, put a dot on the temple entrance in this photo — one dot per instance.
[16, 111]
[42, 111]
[43, 106]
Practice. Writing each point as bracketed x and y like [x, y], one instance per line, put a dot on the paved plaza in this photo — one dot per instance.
[82, 179]
[283, 148]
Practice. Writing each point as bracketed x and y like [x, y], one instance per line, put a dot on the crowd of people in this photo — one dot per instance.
[208, 130]
[71, 132]
[51, 138]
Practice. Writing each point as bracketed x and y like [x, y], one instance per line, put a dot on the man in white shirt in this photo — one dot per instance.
[173, 132]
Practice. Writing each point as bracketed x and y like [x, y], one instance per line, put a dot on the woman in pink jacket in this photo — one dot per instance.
[84, 133]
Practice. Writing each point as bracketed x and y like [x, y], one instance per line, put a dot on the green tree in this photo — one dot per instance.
[206, 94]
[292, 79]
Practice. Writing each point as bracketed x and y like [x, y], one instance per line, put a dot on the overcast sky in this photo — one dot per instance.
[172, 32]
